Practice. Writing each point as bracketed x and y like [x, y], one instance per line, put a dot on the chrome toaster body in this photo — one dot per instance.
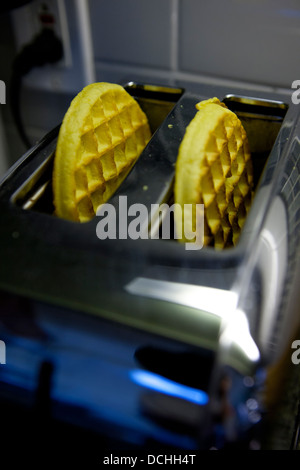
[146, 343]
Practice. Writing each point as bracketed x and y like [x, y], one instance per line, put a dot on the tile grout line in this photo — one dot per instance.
[174, 35]
[86, 43]
[177, 75]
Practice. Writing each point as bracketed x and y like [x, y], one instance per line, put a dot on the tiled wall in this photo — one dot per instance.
[181, 42]
[253, 41]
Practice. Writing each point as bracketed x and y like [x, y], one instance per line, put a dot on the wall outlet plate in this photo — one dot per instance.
[69, 74]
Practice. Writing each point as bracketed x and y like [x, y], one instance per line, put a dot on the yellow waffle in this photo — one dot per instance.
[214, 168]
[102, 134]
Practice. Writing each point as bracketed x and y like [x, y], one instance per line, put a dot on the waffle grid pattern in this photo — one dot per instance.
[225, 186]
[114, 134]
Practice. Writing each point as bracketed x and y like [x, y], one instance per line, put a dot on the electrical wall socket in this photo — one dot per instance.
[28, 22]
[67, 75]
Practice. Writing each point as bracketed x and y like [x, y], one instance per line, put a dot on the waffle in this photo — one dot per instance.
[102, 134]
[214, 168]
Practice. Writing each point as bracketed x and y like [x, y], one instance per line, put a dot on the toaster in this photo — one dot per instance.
[141, 344]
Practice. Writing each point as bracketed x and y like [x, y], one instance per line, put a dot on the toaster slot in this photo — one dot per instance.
[262, 120]
[36, 192]
[156, 101]
[169, 111]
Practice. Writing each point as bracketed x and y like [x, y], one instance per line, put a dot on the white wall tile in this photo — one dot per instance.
[255, 40]
[132, 31]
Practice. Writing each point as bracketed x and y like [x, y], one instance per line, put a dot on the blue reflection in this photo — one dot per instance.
[169, 387]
